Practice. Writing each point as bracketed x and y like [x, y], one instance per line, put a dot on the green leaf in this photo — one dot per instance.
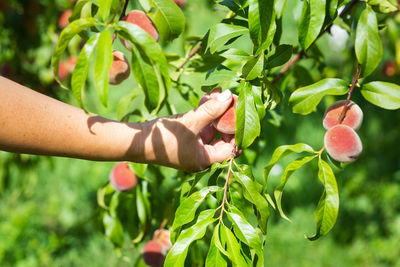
[102, 193]
[177, 255]
[261, 23]
[104, 9]
[368, 44]
[142, 211]
[235, 54]
[102, 64]
[280, 6]
[385, 6]
[246, 233]
[146, 4]
[328, 206]
[253, 67]
[247, 121]
[233, 247]
[219, 78]
[222, 33]
[113, 230]
[311, 22]
[214, 256]
[252, 194]
[383, 94]
[289, 170]
[79, 6]
[150, 51]
[280, 56]
[81, 70]
[169, 19]
[66, 35]
[187, 209]
[305, 99]
[257, 95]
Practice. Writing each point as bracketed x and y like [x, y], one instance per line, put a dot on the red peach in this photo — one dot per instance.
[140, 18]
[342, 143]
[162, 236]
[226, 123]
[122, 178]
[65, 68]
[353, 116]
[153, 254]
[389, 69]
[63, 20]
[119, 70]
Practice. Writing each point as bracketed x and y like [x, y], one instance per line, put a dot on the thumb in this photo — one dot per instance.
[209, 111]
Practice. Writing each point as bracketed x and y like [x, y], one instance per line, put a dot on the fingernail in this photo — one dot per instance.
[224, 96]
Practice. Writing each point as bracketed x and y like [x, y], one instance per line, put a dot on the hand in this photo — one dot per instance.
[182, 141]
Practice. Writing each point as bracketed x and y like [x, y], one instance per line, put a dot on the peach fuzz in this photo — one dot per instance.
[227, 122]
[122, 178]
[342, 143]
[353, 117]
[140, 19]
[119, 70]
[153, 254]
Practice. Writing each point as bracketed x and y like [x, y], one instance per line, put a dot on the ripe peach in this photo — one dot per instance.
[140, 18]
[119, 70]
[226, 123]
[122, 178]
[153, 254]
[342, 143]
[353, 116]
[389, 69]
[66, 67]
[63, 20]
[162, 236]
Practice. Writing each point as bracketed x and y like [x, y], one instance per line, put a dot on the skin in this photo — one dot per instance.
[33, 123]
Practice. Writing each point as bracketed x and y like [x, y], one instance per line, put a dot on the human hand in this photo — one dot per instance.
[183, 141]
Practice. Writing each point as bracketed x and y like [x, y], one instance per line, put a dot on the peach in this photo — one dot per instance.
[63, 20]
[389, 69]
[153, 254]
[140, 18]
[119, 70]
[353, 116]
[226, 123]
[65, 68]
[122, 178]
[342, 143]
[162, 236]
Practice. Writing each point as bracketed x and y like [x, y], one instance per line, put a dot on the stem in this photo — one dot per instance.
[346, 104]
[226, 188]
[191, 54]
[120, 17]
[302, 53]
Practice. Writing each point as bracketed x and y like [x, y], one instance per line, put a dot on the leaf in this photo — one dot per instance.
[305, 99]
[311, 22]
[256, 92]
[247, 120]
[261, 23]
[246, 233]
[146, 4]
[235, 54]
[113, 230]
[102, 64]
[252, 194]
[289, 170]
[219, 78]
[102, 193]
[385, 6]
[368, 45]
[104, 9]
[222, 33]
[66, 35]
[280, 56]
[280, 6]
[168, 19]
[253, 67]
[328, 206]
[214, 256]
[177, 255]
[233, 247]
[81, 70]
[187, 209]
[383, 94]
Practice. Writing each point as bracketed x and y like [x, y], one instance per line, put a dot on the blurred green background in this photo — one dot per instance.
[48, 205]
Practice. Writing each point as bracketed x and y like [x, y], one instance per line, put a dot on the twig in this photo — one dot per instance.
[346, 104]
[302, 52]
[226, 188]
[191, 54]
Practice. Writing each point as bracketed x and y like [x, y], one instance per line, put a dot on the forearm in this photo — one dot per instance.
[34, 123]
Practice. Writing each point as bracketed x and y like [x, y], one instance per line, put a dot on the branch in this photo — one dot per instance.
[302, 53]
[346, 104]
[191, 54]
[226, 188]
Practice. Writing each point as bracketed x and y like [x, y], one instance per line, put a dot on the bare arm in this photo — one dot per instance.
[36, 124]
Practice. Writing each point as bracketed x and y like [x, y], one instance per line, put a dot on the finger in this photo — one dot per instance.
[210, 95]
[199, 118]
[219, 151]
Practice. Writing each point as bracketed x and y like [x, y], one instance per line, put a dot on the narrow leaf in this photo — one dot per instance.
[222, 33]
[383, 94]
[113, 230]
[104, 9]
[311, 22]
[214, 256]
[280, 56]
[102, 64]
[253, 67]
[233, 247]
[169, 19]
